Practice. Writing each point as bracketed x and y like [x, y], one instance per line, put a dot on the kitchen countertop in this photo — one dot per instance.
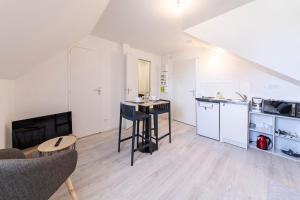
[216, 100]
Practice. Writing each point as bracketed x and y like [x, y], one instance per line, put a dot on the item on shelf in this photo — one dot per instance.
[252, 125]
[268, 127]
[294, 134]
[219, 95]
[291, 153]
[163, 81]
[138, 99]
[281, 132]
[263, 127]
[256, 104]
[286, 133]
[298, 110]
[283, 108]
[263, 142]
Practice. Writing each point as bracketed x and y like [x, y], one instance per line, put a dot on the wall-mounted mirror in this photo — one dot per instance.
[144, 77]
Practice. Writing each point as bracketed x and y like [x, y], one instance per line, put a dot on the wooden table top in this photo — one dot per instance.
[49, 145]
[147, 103]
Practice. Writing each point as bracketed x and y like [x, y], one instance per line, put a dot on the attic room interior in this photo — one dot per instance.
[139, 99]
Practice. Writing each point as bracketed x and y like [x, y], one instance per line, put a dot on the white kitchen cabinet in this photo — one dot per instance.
[208, 121]
[234, 124]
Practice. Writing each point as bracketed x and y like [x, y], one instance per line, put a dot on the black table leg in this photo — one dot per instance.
[147, 134]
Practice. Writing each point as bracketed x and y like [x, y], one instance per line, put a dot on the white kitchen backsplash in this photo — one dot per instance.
[227, 89]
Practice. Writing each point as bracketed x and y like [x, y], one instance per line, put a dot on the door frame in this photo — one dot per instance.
[150, 68]
[196, 69]
[69, 69]
[69, 82]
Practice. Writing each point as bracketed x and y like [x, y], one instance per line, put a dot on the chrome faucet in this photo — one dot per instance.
[243, 96]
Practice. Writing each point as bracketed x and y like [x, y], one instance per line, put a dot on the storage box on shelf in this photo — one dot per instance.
[268, 125]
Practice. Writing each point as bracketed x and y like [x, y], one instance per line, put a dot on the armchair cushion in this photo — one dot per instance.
[35, 179]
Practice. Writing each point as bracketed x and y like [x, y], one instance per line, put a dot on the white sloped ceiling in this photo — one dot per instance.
[266, 32]
[154, 25]
[34, 30]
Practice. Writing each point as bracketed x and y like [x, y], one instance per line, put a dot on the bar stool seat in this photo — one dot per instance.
[158, 110]
[129, 112]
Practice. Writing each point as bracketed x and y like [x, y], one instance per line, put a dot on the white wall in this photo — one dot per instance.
[6, 111]
[266, 32]
[44, 90]
[220, 71]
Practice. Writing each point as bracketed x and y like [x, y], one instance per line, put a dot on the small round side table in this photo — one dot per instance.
[48, 148]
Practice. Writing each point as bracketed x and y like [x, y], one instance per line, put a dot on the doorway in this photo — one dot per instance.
[184, 91]
[144, 77]
[86, 92]
[138, 79]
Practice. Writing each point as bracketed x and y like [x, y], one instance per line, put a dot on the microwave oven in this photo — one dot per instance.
[298, 110]
[284, 108]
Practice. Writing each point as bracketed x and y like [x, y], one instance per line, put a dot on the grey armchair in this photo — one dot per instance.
[33, 179]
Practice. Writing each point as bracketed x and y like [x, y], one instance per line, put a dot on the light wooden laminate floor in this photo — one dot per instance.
[192, 167]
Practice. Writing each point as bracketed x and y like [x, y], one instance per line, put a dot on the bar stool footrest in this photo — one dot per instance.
[163, 136]
[124, 139]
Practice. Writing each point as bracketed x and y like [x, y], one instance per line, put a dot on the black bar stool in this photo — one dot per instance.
[157, 110]
[129, 112]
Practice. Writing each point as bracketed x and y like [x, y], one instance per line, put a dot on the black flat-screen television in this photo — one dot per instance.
[31, 132]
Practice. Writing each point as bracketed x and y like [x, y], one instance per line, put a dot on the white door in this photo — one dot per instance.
[184, 83]
[234, 124]
[132, 81]
[85, 94]
[132, 77]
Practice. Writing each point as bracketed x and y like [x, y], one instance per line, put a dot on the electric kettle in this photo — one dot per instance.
[264, 142]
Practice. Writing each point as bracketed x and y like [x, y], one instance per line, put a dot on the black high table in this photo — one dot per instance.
[145, 107]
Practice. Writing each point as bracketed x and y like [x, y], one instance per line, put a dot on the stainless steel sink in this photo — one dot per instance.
[237, 100]
[223, 100]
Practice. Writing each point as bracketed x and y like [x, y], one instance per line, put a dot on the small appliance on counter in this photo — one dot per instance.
[284, 108]
[298, 110]
[264, 142]
[256, 104]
